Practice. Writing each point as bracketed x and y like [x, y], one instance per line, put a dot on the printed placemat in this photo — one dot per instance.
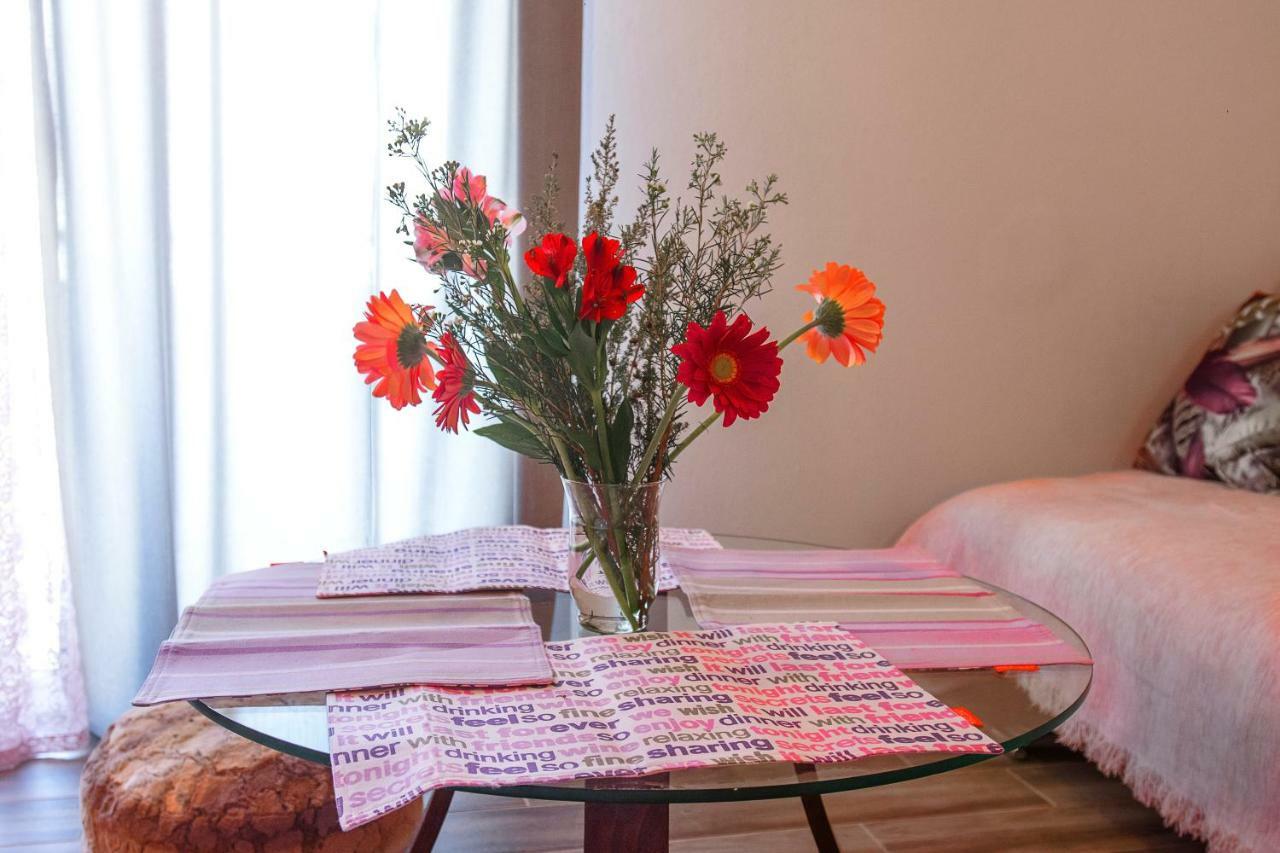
[749, 694]
[507, 557]
[263, 632]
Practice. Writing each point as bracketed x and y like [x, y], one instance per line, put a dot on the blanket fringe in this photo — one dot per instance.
[1148, 788]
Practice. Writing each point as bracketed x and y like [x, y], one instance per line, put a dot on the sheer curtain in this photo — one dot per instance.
[223, 166]
[42, 704]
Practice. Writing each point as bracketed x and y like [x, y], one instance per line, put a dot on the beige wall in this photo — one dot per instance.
[1058, 200]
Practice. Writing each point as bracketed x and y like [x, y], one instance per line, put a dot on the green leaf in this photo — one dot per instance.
[553, 304]
[550, 343]
[498, 283]
[503, 376]
[588, 445]
[503, 371]
[582, 357]
[513, 436]
[620, 439]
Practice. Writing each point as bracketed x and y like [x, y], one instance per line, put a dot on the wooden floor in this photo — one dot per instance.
[1050, 800]
[40, 807]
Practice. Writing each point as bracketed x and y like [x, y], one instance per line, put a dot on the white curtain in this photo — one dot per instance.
[42, 704]
[222, 166]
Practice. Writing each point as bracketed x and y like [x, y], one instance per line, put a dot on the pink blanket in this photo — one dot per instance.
[1175, 585]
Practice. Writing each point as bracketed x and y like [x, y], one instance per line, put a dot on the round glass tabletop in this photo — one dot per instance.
[1015, 707]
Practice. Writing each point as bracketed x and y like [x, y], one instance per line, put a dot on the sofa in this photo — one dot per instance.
[1175, 585]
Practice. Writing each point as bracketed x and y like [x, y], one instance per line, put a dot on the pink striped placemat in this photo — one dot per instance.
[263, 632]
[918, 612]
[508, 557]
[967, 644]
[818, 563]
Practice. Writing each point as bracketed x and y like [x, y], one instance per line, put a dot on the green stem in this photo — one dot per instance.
[566, 464]
[602, 434]
[688, 439]
[612, 574]
[658, 437]
[789, 339]
[611, 507]
[620, 558]
[586, 562]
[511, 283]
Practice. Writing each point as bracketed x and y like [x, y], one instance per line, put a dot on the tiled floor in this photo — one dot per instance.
[1049, 800]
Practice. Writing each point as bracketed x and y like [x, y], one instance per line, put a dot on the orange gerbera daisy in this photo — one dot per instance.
[393, 352]
[851, 317]
[455, 395]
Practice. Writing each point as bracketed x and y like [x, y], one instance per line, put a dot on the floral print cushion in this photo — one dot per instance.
[1225, 422]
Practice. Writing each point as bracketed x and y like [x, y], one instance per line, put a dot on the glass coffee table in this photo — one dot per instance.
[630, 814]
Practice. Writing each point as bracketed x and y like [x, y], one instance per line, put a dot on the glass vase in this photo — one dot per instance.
[613, 554]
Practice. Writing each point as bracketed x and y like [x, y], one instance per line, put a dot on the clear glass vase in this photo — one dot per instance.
[613, 553]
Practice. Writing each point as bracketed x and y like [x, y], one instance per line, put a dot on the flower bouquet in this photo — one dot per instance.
[595, 363]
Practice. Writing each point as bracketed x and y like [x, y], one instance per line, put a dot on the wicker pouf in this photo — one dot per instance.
[167, 779]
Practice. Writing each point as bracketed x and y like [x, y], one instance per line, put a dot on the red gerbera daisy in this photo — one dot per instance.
[610, 285]
[455, 395]
[734, 366]
[553, 258]
[393, 351]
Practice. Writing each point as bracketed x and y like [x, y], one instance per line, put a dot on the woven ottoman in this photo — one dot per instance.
[166, 780]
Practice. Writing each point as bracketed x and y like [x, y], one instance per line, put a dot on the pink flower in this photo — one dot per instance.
[474, 267]
[473, 190]
[467, 188]
[509, 218]
[430, 244]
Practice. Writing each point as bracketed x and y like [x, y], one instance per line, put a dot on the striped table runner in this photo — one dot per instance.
[506, 557]
[917, 612]
[264, 632]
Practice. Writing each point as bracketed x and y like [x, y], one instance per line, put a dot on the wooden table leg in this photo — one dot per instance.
[432, 820]
[816, 813]
[819, 825]
[625, 828]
